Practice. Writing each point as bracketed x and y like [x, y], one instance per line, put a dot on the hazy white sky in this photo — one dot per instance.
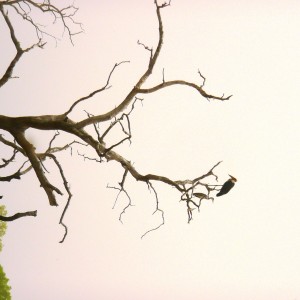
[243, 246]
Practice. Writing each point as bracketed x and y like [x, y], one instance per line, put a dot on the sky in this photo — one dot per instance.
[246, 244]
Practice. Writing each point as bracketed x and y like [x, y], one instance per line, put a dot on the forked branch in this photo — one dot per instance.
[119, 118]
[105, 87]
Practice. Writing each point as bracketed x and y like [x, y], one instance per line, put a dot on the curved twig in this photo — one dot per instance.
[18, 216]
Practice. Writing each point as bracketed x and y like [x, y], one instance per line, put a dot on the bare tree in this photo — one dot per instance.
[24, 152]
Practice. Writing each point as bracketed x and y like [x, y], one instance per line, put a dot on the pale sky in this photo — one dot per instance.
[246, 244]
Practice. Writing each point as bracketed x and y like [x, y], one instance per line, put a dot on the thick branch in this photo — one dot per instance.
[30, 152]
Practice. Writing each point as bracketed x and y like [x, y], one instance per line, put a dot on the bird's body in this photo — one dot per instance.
[200, 195]
[227, 186]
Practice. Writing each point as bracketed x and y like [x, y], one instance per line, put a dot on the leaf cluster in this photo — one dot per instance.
[3, 225]
[4, 287]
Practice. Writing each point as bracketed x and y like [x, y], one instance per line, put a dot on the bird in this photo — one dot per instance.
[227, 186]
[200, 195]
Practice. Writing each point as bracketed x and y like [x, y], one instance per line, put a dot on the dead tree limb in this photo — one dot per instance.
[119, 118]
[18, 216]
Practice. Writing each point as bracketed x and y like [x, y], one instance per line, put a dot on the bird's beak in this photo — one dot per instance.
[232, 177]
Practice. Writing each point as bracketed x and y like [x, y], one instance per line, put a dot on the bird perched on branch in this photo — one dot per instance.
[200, 195]
[227, 186]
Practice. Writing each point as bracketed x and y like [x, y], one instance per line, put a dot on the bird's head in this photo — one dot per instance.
[232, 178]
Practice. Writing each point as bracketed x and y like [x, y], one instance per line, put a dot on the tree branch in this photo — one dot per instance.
[30, 152]
[18, 215]
[134, 91]
[120, 115]
[8, 73]
[157, 209]
[6, 162]
[122, 189]
[10, 144]
[182, 82]
[66, 185]
[106, 86]
[63, 15]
